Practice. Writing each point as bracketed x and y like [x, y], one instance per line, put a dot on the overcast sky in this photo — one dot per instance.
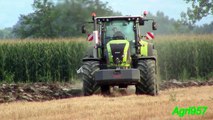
[10, 10]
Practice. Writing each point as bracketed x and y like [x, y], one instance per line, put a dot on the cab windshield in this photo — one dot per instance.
[118, 30]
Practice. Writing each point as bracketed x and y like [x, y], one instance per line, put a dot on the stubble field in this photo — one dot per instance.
[128, 107]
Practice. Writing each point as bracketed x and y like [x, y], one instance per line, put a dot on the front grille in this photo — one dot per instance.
[117, 52]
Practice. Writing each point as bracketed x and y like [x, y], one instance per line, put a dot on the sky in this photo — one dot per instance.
[10, 10]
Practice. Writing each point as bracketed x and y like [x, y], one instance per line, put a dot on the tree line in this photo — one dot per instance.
[64, 19]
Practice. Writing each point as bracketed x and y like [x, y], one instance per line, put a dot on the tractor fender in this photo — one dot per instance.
[148, 58]
[150, 49]
[90, 59]
[146, 49]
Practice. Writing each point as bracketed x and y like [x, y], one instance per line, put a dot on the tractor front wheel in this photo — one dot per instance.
[89, 85]
[148, 82]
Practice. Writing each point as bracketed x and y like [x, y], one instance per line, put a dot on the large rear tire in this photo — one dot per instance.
[89, 85]
[148, 78]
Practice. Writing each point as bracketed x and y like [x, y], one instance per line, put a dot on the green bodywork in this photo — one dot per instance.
[125, 61]
[144, 48]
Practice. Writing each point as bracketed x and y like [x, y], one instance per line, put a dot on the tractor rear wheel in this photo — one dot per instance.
[89, 85]
[148, 82]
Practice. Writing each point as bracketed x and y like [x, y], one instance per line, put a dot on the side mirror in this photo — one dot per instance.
[154, 25]
[83, 29]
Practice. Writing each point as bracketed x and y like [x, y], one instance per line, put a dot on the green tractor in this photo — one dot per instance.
[119, 56]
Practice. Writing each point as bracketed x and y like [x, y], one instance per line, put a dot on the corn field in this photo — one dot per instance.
[179, 57]
[39, 61]
[185, 57]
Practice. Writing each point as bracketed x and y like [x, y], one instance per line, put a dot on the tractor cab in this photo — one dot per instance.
[119, 38]
[116, 29]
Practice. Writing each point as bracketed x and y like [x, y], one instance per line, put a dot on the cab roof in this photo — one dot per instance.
[109, 18]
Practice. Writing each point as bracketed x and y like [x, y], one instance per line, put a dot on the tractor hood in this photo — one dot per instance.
[118, 53]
